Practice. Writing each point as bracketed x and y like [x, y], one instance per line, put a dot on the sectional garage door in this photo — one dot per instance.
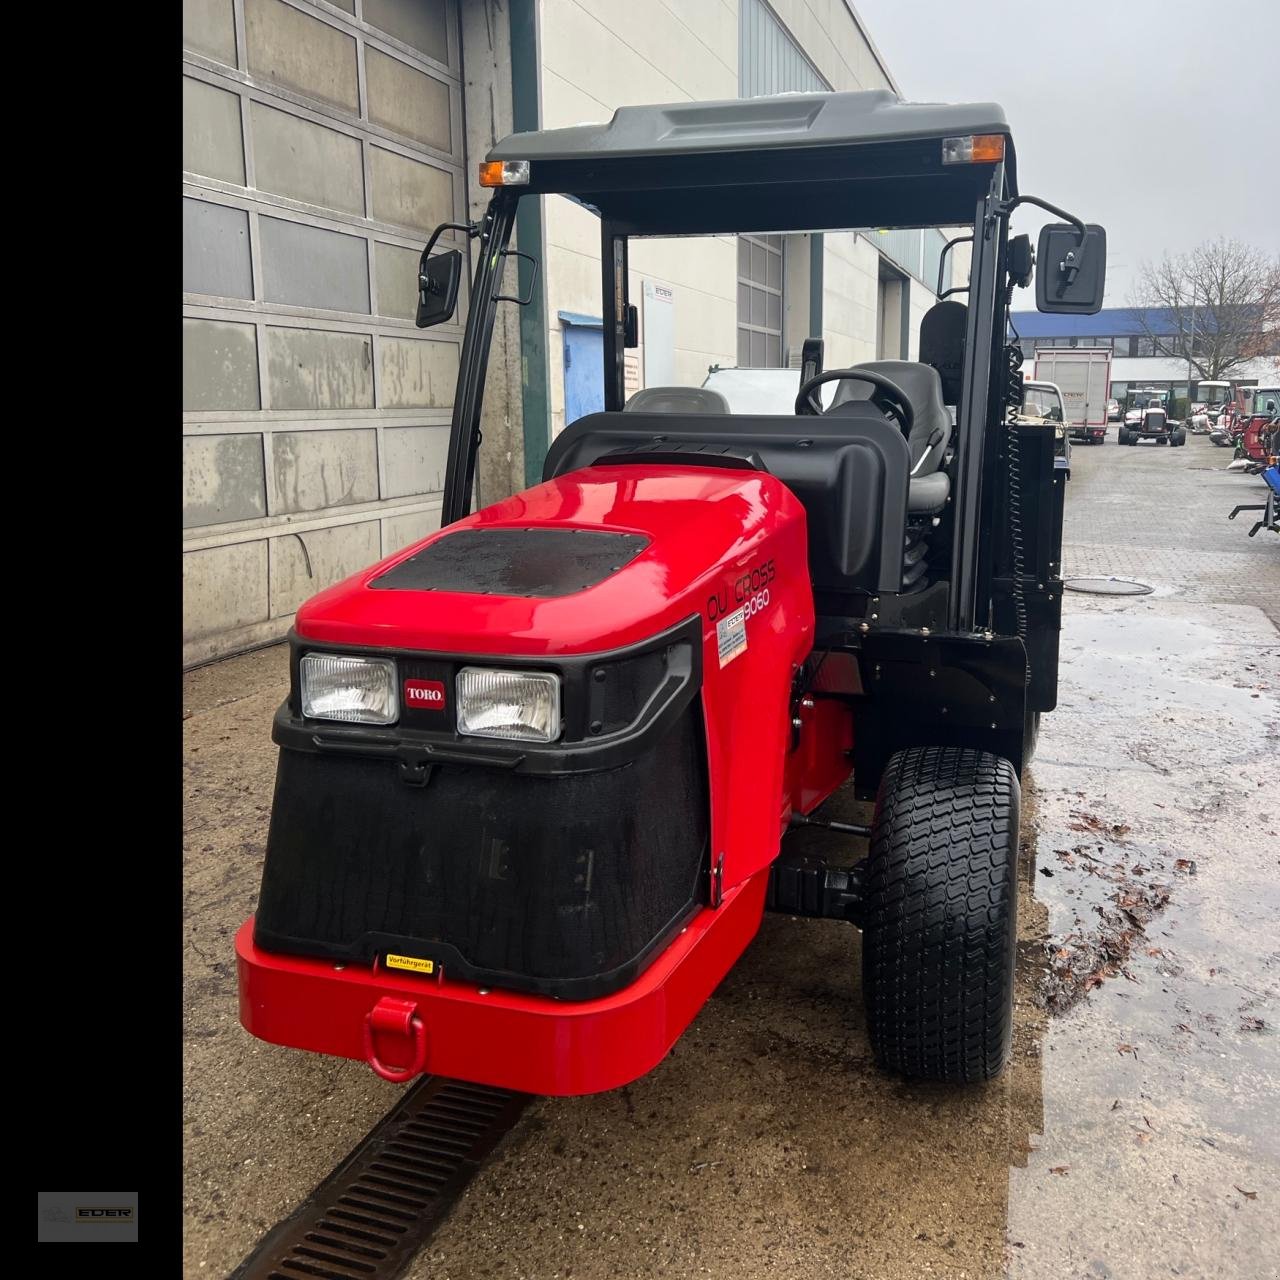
[321, 144]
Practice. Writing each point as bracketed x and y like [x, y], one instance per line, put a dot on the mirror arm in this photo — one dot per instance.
[1069, 266]
[1006, 207]
[471, 228]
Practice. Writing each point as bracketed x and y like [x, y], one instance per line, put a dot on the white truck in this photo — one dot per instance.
[1083, 375]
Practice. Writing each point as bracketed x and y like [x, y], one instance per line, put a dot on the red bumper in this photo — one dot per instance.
[507, 1039]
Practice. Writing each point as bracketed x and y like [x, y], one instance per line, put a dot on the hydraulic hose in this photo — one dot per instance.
[1013, 454]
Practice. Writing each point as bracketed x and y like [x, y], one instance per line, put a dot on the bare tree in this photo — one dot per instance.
[1220, 305]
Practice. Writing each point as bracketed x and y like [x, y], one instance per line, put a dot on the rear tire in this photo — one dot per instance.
[1122, 436]
[940, 915]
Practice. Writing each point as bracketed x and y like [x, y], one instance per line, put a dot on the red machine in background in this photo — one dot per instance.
[1248, 425]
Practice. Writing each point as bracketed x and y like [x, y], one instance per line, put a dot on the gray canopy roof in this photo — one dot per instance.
[754, 124]
[793, 162]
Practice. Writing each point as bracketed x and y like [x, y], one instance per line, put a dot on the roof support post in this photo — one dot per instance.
[613, 311]
[983, 376]
[464, 431]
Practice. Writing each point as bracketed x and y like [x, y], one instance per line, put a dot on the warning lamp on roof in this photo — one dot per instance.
[975, 148]
[504, 173]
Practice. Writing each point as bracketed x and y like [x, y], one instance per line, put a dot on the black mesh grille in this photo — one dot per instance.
[514, 562]
[565, 885]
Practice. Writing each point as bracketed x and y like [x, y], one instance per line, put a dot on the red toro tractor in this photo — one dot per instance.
[537, 770]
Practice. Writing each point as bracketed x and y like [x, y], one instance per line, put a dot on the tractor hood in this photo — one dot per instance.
[602, 557]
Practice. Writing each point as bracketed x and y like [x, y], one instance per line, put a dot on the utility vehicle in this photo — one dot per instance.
[536, 770]
[1149, 420]
[1212, 398]
[1043, 405]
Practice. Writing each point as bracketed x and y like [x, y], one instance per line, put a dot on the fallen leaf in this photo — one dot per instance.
[1044, 871]
[1126, 1048]
[1248, 1195]
[1148, 1124]
[1115, 1106]
[1061, 1169]
[1185, 866]
[1251, 1024]
[1140, 1138]
[1155, 951]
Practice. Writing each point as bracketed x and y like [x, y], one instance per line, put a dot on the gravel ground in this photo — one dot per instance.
[1134, 1135]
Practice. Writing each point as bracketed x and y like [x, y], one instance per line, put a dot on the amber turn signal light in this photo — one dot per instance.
[504, 173]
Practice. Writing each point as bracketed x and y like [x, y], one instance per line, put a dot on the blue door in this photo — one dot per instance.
[583, 369]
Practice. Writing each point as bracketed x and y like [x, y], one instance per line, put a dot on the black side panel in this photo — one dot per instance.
[564, 886]
[940, 691]
[1030, 496]
[850, 472]
[514, 562]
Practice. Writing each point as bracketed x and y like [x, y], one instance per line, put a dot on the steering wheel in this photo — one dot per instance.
[888, 397]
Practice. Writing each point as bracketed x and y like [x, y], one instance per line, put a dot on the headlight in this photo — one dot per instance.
[524, 705]
[344, 687]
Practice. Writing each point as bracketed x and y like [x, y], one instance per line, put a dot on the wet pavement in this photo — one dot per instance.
[1135, 1134]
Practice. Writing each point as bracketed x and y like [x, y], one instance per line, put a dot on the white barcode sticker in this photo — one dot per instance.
[731, 636]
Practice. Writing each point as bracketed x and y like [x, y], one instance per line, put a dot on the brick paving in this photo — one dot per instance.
[1160, 515]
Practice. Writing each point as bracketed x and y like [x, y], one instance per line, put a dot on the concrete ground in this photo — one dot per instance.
[1137, 1133]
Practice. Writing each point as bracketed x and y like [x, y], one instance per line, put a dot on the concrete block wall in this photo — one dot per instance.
[322, 142]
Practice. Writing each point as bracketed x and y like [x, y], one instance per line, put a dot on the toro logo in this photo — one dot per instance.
[426, 694]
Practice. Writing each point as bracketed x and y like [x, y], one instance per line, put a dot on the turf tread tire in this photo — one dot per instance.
[940, 915]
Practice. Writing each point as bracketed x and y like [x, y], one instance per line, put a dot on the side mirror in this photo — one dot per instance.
[631, 326]
[1071, 272]
[438, 287]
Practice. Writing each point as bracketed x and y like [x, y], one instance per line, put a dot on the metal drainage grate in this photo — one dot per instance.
[372, 1214]
[1108, 586]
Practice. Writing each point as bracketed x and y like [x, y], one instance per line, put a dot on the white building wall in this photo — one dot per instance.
[846, 59]
[612, 53]
[605, 54]
[920, 302]
[850, 280]
[834, 42]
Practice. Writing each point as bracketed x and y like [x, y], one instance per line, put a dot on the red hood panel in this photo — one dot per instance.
[696, 520]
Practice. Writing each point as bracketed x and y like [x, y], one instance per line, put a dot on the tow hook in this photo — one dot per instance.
[398, 1019]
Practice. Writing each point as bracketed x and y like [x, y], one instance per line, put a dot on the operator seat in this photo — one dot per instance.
[929, 487]
[942, 337]
[677, 400]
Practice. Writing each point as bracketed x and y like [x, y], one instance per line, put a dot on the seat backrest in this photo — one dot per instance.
[942, 335]
[850, 472]
[923, 387]
[677, 400]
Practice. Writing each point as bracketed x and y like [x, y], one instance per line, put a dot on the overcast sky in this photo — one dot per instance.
[1112, 104]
